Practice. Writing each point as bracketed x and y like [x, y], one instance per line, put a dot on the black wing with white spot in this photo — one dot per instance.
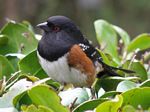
[90, 51]
[94, 55]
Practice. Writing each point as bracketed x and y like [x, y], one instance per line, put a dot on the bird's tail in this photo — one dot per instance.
[111, 70]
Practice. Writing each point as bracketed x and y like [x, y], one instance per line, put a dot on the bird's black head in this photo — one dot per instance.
[60, 33]
[57, 24]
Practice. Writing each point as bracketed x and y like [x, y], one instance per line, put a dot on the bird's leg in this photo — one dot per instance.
[93, 93]
[94, 89]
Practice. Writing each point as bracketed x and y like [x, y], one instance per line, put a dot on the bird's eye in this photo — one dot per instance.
[56, 28]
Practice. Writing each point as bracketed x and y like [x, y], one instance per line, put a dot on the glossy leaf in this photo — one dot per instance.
[125, 85]
[123, 34]
[139, 69]
[40, 108]
[110, 106]
[20, 86]
[145, 83]
[23, 98]
[110, 94]
[78, 93]
[30, 64]
[43, 95]
[106, 59]
[128, 108]
[88, 105]
[110, 83]
[107, 38]
[6, 68]
[21, 39]
[3, 40]
[136, 97]
[14, 59]
[28, 25]
[141, 42]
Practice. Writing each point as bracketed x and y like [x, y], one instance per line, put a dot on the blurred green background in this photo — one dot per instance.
[132, 15]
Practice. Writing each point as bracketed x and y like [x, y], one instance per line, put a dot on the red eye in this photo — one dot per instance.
[56, 28]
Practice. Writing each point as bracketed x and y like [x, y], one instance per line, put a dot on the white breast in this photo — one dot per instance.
[61, 72]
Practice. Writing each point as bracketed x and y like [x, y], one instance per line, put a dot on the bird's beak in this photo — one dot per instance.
[43, 26]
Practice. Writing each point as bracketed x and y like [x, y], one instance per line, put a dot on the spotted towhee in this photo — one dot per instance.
[67, 56]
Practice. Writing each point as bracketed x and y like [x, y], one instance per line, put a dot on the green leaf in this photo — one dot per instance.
[43, 95]
[88, 105]
[110, 94]
[110, 106]
[106, 59]
[21, 39]
[28, 25]
[3, 40]
[145, 83]
[107, 38]
[125, 86]
[128, 108]
[136, 97]
[21, 99]
[30, 64]
[123, 34]
[6, 69]
[13, 60]
[78, 93]
[20, 86]
[141, 42]
[110, 83]
[139, 69]
[40, 108]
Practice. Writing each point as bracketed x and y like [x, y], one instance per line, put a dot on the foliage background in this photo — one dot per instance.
[23, 83]
[131, 15]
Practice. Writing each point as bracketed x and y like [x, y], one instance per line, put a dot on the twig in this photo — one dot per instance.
[72, 104]
[132, 59]
[3, 85]
[124, 58]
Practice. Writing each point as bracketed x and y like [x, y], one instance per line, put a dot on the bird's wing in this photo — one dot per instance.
[94, 55]
[80, 61]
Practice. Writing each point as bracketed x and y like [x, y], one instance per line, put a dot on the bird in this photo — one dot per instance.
[67, 56]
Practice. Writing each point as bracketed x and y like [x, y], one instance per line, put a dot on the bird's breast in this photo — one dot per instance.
[60, 71]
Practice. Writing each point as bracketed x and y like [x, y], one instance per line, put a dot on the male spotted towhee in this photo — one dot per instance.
[67, 56]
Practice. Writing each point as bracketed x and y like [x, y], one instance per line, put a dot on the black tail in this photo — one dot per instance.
[111, 70]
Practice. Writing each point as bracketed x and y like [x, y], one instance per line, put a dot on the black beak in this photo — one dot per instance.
[43, 26]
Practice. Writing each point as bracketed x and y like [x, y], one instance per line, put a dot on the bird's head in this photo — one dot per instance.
[61, 27]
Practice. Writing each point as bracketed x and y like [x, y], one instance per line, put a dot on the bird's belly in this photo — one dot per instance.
[60, 71]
